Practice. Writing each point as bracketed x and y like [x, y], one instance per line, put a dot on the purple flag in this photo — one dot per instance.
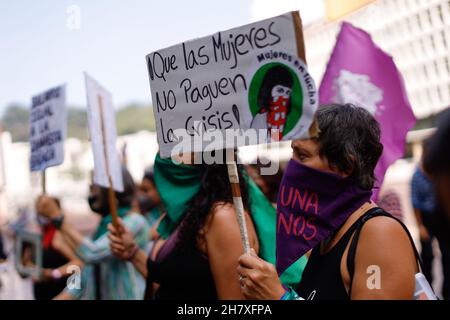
[360, 72]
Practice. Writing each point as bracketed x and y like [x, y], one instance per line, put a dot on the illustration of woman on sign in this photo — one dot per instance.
[274, 101]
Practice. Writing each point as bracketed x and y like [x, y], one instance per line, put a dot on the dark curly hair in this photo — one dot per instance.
[349, 139]
[215, 189]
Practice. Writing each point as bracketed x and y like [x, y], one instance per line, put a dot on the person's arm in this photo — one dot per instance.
[385, 263]
[64, 295]
[124, 246]
[72, 236]
[87, 250]
[139, 261]
[98, 250]
[384, 251]
[76, 288]
[61, 245]
[224, 246]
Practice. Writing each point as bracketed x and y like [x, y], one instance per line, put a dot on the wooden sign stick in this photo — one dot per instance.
[314, 128]
[231, 161]
[111, 193]
[43, 182]
[237, 199]
[299, 35]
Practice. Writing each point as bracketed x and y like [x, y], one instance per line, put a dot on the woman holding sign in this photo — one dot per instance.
[359, 251]
[103, 277]
[198, 258]
[58, 259]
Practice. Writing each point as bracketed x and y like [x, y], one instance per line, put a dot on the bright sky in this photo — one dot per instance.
[38, 49]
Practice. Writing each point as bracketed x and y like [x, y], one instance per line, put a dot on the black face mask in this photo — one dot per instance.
[42, 220]
[145, 203]
[97, 205]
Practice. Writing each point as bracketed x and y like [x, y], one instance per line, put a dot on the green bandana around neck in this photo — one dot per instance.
[177, 184]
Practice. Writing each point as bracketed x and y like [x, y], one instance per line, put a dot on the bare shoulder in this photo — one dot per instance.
[384, 244]
[222, 211]
[384, 238]
[221, 229]
[222, 223]
[222, 216]
[384, 229]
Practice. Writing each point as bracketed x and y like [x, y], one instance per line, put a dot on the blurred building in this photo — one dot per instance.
[415, 32]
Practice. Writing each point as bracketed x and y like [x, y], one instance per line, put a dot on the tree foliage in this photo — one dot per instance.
[129, 119]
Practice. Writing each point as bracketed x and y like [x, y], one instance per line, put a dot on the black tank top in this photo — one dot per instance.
[51, 259]
[321, 279]
[182, 273]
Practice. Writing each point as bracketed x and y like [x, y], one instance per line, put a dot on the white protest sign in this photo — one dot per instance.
[102, 131]
[48, 125]
[209, 93]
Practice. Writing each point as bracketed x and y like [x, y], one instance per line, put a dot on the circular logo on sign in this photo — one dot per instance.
[282, 96]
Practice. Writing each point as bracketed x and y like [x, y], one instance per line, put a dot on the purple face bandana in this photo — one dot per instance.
[311, 205]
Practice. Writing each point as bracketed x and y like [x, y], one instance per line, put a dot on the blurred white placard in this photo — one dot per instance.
[233, 88]
[48, 124]
[102, 131]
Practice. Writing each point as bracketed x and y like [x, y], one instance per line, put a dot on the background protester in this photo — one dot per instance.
[437, 165]
[390, 202]
[104, 276]
[202, 233]
[351, 233]
[426, 211]
[437, 160]
[57, 257]
[268, 183]
[149, 202]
